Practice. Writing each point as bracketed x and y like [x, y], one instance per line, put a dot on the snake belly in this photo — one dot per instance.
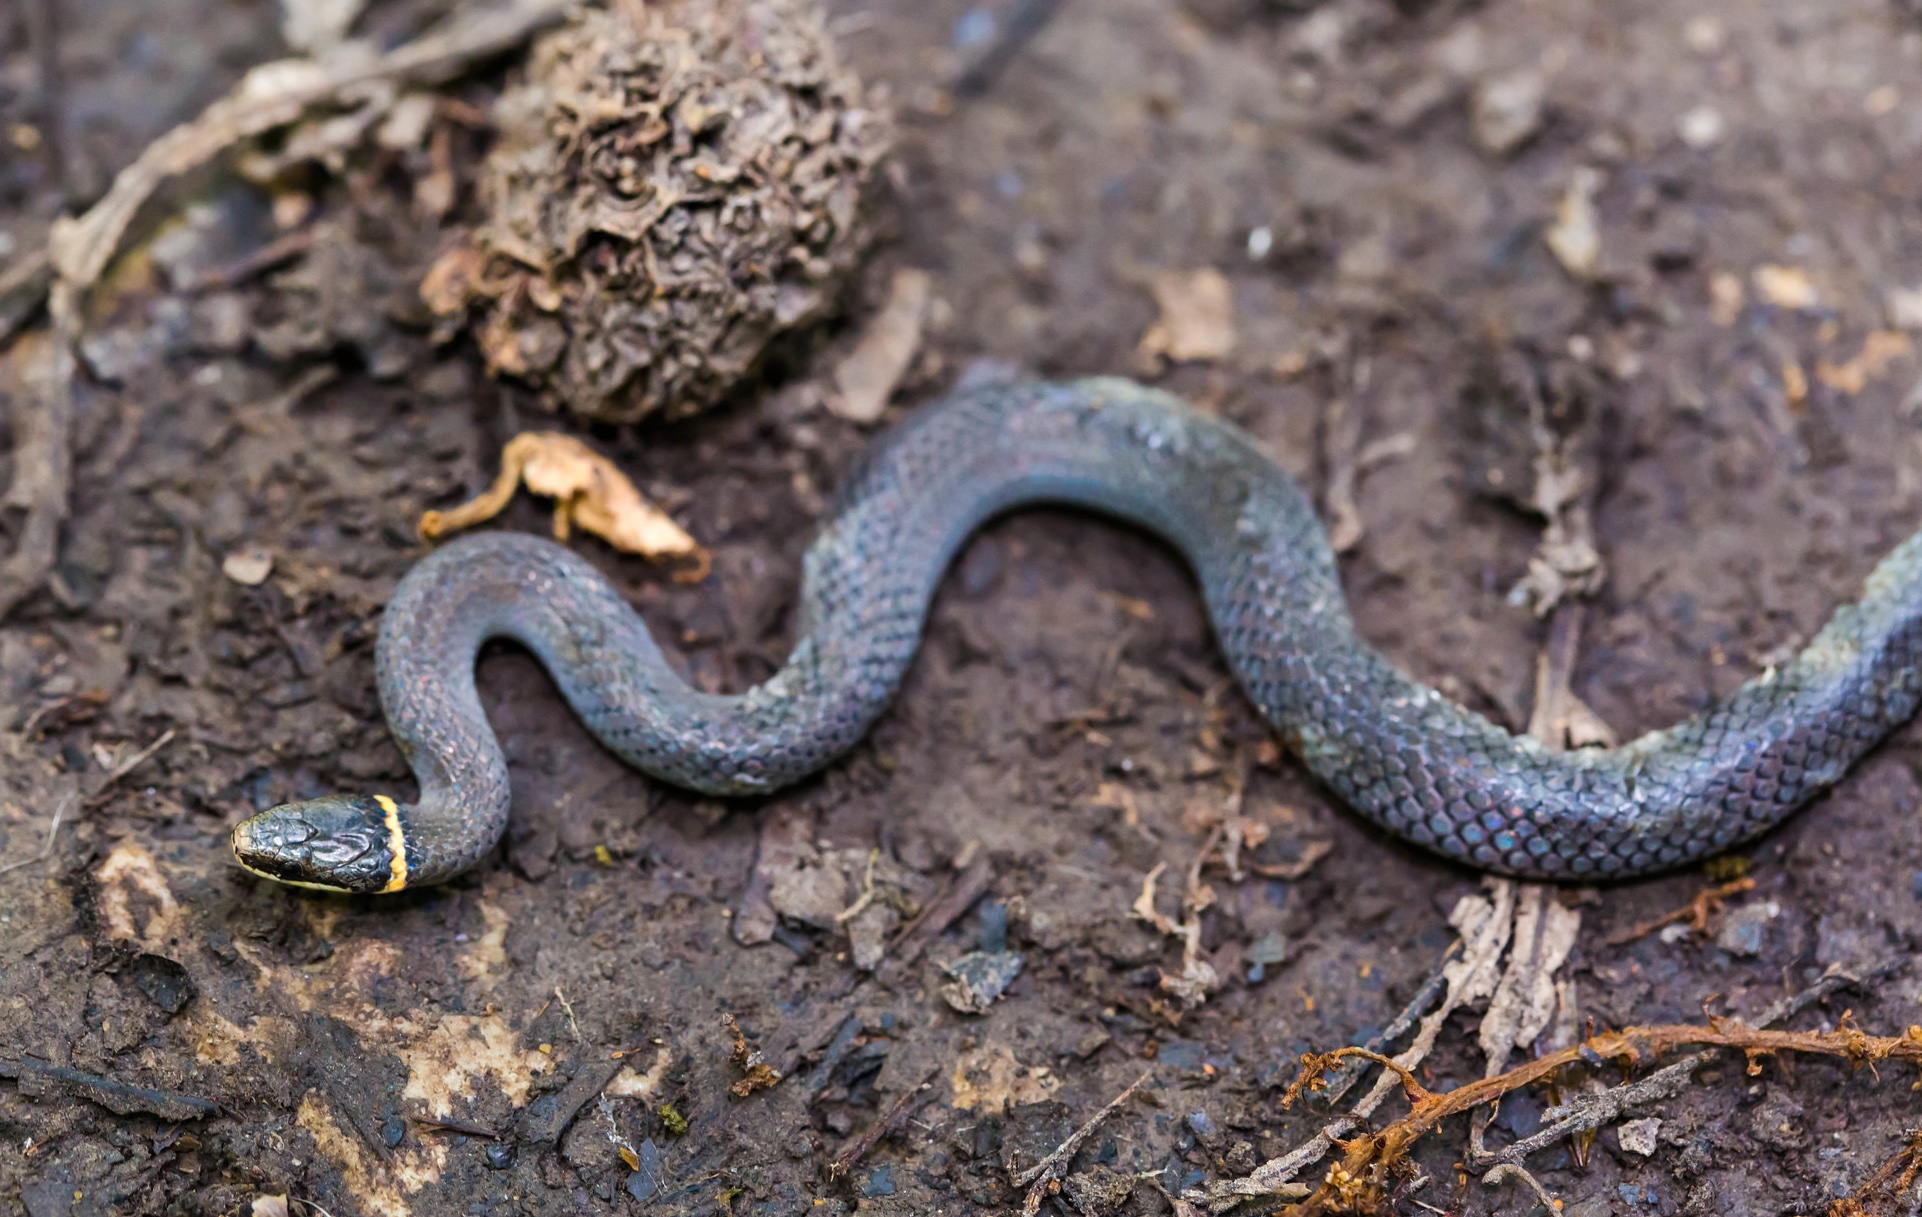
[1396, 751]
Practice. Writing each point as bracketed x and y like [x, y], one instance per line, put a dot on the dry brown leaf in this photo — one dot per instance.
[1197, 316]
[1524, 1000]
[990, 1080]
[869, 374]
[588, 492]
[786, 847]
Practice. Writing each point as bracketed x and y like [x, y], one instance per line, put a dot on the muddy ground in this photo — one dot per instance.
[1744, 476]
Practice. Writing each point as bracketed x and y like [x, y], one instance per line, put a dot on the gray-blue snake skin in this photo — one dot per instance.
[1395, 750]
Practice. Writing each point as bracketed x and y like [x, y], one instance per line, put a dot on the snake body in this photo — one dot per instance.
[1395, 750]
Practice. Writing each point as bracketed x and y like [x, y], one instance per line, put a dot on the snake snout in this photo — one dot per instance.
[343, 843]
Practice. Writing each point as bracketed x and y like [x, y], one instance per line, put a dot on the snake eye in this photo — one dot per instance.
[344, 843]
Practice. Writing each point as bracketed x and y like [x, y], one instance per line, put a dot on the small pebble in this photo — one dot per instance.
[1742, 931]
[1507, 111]
[248, 567]
[1638, 1136]
[880, 1182]
[500, 1156]
[1701, 127]
[645, 1182]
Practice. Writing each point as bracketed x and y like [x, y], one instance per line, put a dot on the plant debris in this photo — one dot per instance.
[1695, 914]
[589, 492]
[1043, 1179]
[757, 1074]
[675, 186]
[978, 978]
[867, 377]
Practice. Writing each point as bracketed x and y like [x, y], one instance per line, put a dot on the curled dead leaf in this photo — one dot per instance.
[588, 492]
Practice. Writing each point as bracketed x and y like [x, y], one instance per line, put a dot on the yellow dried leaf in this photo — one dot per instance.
[1879, 349]
[589, 492]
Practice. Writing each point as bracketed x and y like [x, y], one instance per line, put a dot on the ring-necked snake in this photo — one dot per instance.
[1395, 750]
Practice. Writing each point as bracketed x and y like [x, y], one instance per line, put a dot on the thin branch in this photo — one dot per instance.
[46, 850]
[1044, 1177]
[128, 766]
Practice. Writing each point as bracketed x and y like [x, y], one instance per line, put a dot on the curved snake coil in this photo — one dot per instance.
[1395, 750]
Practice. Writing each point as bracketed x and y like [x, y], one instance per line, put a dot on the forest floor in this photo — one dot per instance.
[1690, 232]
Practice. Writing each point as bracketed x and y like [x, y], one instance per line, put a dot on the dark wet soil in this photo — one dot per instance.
[1741, 481]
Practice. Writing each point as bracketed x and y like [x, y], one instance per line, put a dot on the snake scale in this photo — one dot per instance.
[1395, 750]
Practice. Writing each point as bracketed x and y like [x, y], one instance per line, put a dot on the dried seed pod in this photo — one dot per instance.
[675, 185]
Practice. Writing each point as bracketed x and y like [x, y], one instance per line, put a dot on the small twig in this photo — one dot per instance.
[1893, 1178]
[435, 1124]
[1703, 905]
[121, 1098]
[1590, 1112]
[1367, 1157]
[896, 1114]
[1044, 1176]
[590, 1079]
[46, 850]
[1560, 719]
[128, 766]
[1508, 1170]
[1029, 18]
[573, 1024]
[1418, 1005]
[867, 895]
[969, 886]
[1340, 447]
[275, 253]
[23, 286]
[1275, 1177]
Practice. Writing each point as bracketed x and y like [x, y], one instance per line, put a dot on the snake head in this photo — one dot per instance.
[344, 843]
